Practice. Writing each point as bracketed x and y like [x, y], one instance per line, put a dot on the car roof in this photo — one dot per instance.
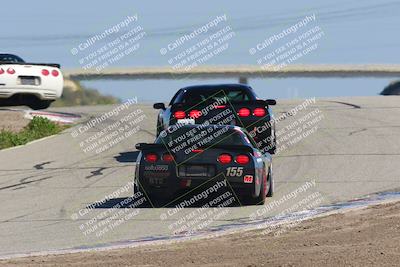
[218, 86]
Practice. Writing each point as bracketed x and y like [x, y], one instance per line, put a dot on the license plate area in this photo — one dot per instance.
[29, 80]
[189, 170]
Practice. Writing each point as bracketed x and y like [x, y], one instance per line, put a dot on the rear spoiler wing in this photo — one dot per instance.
[146, 146]
[54, 65]
[241, 148]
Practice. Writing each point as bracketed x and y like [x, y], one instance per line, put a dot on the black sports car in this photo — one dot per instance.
[229, 104]
[184, 157]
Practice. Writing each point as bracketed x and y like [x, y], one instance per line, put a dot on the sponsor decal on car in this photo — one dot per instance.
[248, 179]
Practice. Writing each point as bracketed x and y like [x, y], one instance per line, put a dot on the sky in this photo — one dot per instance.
[355, 32]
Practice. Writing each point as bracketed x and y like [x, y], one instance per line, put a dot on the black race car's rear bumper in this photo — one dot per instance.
[174, 187]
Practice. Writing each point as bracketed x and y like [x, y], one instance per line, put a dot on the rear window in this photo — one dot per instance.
[10, 58]
[196, 135]
[199, 95]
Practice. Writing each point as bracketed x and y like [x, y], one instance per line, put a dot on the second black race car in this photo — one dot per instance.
[229, 104]
[184, 157]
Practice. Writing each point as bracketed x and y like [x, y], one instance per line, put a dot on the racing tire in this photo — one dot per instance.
[40, 104]
[271, 183]
[272, 150]
[272, 146]
[260, 199]
[151, 201]
[136, 189]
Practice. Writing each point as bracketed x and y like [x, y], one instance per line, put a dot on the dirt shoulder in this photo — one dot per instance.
[367, 237]
[13, 121]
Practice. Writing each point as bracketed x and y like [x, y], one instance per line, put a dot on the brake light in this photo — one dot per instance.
[244, 112]
[10, 71]
[55, 73]
[167, 157]
[197, 150]
[1, 71]
[242, 159]
[195, 114]
[259, 112]
[151, 157]
[179, 114]
[45, 72]
[225, 158]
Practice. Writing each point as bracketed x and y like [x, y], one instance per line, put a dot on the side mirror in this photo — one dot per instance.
[139, 146]
[159, 106]
[270, 102]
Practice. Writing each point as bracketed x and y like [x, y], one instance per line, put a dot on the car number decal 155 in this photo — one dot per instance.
[234, 171]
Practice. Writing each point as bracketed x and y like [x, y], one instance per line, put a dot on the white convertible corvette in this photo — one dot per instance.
[33, 84]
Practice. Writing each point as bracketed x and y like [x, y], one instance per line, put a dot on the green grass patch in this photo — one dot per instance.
[37, 128]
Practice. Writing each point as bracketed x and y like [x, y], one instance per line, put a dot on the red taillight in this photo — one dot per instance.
[259, 112]
[179, 114]
[10, 71]
[167, 157]
[242, 159]
[1, 71]
[195, 114]
[225, 158]
[45, 72]
[244, 112]
[55, 73]
[151, 157]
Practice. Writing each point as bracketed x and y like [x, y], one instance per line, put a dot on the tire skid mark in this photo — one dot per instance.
[347, 104]
[358, 131]
[40, 166]
[24, 182]
[97, 172]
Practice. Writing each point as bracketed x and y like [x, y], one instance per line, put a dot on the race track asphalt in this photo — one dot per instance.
[353, 151]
